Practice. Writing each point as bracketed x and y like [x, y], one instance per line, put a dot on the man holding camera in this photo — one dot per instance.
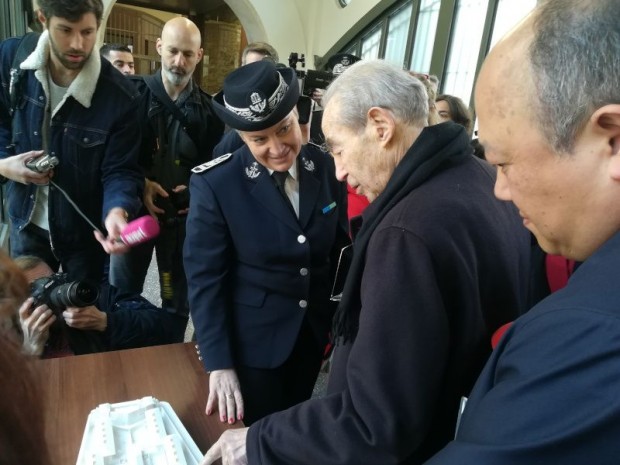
[63, 106]
[179, 131]
[98, 318]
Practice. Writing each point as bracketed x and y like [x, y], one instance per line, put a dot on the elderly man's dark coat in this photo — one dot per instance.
[439, 264]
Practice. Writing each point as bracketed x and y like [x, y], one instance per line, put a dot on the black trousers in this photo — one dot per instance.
[266, 390]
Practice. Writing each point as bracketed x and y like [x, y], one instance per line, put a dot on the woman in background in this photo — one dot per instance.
[451, 108]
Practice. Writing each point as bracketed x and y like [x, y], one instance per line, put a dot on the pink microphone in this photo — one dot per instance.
[140, 230]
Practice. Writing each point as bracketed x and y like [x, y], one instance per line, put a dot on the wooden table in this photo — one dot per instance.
[76, 385]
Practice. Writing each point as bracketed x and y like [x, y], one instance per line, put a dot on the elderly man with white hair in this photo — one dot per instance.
[439, 265]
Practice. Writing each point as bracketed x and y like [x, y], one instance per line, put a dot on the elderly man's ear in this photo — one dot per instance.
[606, 123]
[382, 125]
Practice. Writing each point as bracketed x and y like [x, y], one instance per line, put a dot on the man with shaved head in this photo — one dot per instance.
[179, 131]
[548, 102]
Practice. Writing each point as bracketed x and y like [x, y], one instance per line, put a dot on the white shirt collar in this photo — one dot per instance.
[292, 170]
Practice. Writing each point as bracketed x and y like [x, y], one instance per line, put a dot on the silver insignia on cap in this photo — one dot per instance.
[258, 103]
[253, 115]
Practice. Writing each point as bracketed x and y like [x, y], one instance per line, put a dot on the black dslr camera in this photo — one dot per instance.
[58, 293]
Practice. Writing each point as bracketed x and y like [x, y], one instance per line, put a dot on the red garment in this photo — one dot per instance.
[357, 203]
[559, 270]
[497, 335]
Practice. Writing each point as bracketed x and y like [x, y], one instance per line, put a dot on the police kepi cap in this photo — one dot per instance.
[341, 61]
[257, 96]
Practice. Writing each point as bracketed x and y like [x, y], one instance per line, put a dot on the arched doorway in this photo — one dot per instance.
[226, 27]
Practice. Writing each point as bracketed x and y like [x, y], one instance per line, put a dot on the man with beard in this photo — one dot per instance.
[71, 105]
[179, 131]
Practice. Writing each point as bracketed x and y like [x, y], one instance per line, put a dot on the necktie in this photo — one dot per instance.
[279, 177]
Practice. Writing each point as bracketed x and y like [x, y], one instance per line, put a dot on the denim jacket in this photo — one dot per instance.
[94, 133]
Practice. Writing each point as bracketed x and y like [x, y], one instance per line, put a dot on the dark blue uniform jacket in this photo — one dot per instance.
[549, 393]
[254, 270]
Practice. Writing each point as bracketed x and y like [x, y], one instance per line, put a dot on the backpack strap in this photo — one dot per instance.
[26, 46]
[159, 92]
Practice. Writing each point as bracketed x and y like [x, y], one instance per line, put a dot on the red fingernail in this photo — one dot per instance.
[223, 418]
[209, 412]
[240, 417]
[231, 421]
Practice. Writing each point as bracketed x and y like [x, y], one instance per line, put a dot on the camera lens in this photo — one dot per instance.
[75, 294]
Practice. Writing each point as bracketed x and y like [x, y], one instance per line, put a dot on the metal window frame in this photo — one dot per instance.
[443, 37]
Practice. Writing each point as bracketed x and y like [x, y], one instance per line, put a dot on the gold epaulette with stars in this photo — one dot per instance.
[210, 164]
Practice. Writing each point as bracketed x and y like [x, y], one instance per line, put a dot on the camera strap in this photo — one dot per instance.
[175, 146]
[75, 207]
[26, 46]
[158, 90]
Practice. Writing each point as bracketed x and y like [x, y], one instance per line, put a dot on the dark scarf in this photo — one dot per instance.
[436, 148]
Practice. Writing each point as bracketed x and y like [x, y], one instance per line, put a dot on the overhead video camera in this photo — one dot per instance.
[58, 293]
[309, 79]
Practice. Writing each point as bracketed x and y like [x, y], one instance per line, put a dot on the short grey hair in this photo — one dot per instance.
[377, 83]
[575, 56]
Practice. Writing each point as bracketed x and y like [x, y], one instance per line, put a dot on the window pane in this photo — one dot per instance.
[352, 50]
[370, 44]
[398, 28]
[509, 13]
[464, 48]
[425, 36]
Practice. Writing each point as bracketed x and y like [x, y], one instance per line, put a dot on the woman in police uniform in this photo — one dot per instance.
[264, 227]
